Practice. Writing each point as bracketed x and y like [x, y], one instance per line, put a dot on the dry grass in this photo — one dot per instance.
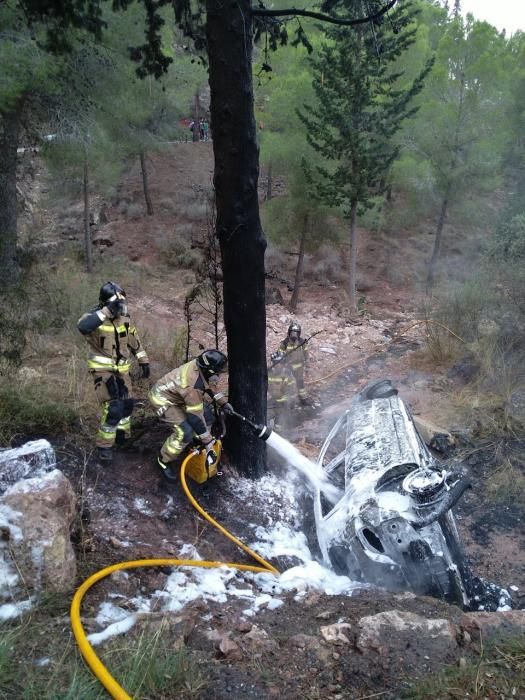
[37, 660]
[507, 483]
[499, 672]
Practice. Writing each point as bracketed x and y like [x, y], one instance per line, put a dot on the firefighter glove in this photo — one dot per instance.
[144, 368]
[227, 408]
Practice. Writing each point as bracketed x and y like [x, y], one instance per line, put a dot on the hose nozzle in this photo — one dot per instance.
[263, 431]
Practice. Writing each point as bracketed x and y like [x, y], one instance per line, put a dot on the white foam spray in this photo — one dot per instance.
[312, 471]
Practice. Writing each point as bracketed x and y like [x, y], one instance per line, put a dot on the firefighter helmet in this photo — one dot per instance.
[108, 290]
[294, 328]
[212, 362]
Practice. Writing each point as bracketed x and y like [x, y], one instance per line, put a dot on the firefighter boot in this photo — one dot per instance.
[120, 438]
[305, 400]
[167, 471]
[105, 455]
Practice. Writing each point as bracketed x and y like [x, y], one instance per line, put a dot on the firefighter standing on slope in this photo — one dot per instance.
[179, 398]
[111, 337]
[295, 351]
[281, 387]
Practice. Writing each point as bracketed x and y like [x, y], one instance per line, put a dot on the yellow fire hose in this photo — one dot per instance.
[92, 660]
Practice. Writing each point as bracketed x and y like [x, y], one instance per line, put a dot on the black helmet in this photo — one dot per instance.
[212, 362]
[294, 327]
[108, 290]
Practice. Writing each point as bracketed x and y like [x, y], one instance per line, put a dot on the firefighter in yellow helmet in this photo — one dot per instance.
[112, 339]
[281, 388]
[295, 352]
[179, 398]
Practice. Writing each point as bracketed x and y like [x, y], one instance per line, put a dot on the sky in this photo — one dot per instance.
[503, 14]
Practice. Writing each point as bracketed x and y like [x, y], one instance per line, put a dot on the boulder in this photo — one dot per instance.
[338, 633]
[35, 458]
[35, 519]
[399, 629]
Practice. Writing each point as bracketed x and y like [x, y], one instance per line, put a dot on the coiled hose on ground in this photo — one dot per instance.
[91, 658]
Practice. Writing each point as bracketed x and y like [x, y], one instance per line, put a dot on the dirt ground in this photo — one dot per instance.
[129, 513]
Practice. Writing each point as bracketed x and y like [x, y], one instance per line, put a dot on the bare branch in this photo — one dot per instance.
[262, 12]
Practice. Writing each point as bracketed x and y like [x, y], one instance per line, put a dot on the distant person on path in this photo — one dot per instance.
[111, 338]
[201, 128]
[205, 129]
[295, 351]
[179, 400]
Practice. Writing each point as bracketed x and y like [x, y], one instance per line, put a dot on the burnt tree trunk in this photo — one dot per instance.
[239, 229]
[145, 183]
[87, 228]
[9, 135]
[299, 270]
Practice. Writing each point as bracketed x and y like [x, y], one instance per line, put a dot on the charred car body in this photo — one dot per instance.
[393, 525]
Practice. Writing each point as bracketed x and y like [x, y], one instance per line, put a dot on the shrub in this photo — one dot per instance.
[33, 409]
[177, 252]
[509, 242]
[455, 319]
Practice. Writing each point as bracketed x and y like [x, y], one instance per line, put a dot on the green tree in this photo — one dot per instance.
[455, 142]
[297, 217]
[361, 102]
[27, 78]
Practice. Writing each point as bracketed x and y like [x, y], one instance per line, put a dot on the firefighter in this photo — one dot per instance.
[111, 338]
[281, 387]
[179, 398]
[295, 351]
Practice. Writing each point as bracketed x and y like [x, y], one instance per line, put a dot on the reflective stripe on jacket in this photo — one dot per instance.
[297, 358]
[111, 341]
[186, 387]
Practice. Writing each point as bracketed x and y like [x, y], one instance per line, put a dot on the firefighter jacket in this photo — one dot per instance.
[295, 357]
[185, 389]
[110, 341]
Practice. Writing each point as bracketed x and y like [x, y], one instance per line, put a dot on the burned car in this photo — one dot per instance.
[393, 525]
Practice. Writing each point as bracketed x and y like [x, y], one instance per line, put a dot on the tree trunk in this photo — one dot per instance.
[9, 135]
[437, 245]
[87, 228]
[300, 267]
[196, 118]
[242, 240]
[145, 183]
[352, 258]
[269, 183]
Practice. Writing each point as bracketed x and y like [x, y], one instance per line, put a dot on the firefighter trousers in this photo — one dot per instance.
[113, 392]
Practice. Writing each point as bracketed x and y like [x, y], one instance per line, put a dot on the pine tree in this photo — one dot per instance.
[27, 78]
[361, 103]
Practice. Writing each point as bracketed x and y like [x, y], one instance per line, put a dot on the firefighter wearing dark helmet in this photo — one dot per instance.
[179, 398]
[295, 351]
[112, 339]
